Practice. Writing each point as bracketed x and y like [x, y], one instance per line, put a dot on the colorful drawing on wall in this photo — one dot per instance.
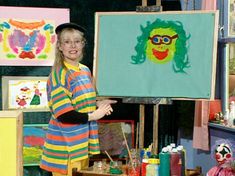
[161, 54]
[34, 137]
[21, 39]
[25, 93]
[231, 75]
[111, 137]
[27, 35]
[231, 17]
[161, 42]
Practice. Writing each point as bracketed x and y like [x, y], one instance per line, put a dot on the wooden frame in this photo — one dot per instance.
[34, 137]
[111, 137]
[11, 142]
[24, 93]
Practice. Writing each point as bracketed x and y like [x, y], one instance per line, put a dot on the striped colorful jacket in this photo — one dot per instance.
[68, 90]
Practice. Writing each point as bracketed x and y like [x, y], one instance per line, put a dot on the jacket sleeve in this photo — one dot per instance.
[73, 117]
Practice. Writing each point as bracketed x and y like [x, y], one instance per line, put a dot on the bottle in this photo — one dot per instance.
[182, 152]
[164, 156]
[175, 163]
[172, 145]
[134, 164]
[231, 114]
[169, 148]
[144, 163]
[226, 117]
[143, 166]
[152, 169]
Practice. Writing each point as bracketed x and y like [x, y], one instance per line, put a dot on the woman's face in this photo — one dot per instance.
[71, 45]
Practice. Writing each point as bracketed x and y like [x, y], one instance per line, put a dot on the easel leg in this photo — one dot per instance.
[141, 126]
[155, 128]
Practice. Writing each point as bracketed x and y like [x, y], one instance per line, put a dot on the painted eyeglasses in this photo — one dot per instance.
[162, 39]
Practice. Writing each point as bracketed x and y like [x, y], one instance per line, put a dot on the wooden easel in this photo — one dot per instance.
[146, 8]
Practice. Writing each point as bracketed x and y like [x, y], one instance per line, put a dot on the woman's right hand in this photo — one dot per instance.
[103, 109]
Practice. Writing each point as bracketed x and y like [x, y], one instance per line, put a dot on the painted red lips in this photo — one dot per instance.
[160, 55]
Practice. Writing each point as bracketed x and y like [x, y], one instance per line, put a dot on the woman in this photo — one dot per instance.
[72, 132]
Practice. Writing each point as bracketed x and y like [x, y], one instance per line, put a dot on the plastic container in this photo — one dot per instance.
[143, 166]
[182, 152]
[175, 163]
[152, 169]
[164, 156]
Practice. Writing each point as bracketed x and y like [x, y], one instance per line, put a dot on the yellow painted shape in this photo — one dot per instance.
[5, 39]
[48, 42]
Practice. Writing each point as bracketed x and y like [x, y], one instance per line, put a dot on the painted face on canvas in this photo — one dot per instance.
[161, 45]
[163, 42]
[71, 45]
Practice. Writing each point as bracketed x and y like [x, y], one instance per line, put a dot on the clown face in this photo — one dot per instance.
[161, 45]
[223, 153]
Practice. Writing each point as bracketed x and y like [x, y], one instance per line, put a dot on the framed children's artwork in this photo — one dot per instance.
[33, 137]
[231, 18]
[161, 54]
[231, 82]
[111, 136]
[227, 17]
[24, 93]
[27, 35]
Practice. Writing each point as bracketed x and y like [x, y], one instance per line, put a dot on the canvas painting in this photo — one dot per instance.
[27, 35]
[34, 137]
[25, 93]
[161, 54]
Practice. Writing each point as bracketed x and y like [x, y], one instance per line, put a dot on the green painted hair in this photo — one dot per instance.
[180, 60]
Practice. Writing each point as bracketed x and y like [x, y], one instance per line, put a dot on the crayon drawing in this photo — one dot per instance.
[25, 93]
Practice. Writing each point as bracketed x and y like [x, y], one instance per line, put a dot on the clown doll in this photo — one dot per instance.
[224, 157]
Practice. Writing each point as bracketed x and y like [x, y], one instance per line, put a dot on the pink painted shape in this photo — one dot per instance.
[41, 43]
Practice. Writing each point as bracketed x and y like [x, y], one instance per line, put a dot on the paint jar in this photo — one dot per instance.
[134, 164]
[115, 168]
[143, 166]
[152, 169]
[98, 167]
